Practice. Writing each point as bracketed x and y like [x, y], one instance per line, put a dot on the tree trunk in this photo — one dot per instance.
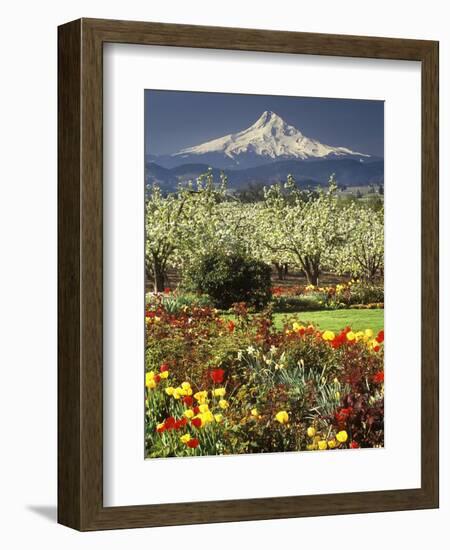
[311, 270]
[280, 270]
[158, 276]
[312, 277]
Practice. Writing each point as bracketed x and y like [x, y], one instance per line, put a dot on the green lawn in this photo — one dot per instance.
[358, 319]
[335, 320]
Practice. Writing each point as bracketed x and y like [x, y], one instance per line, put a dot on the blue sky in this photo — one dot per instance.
[177, 119]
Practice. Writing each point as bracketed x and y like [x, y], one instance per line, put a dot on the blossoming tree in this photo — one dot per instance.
[303, 228]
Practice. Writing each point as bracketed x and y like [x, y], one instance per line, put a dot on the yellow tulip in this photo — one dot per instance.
[185, 385]
[170, 390]
[254, 412]
[328, 335]
[189, 413]
[164, 374]
[204, 408]
[282, 417]
[150, 381]
[311, 431]
[218, 418]
[332, 444]
[201, 396]
[219, 392]
[206, 417]
[223, 404]
[342, 436]
[322, 445]
[351, 336]
[185, 438]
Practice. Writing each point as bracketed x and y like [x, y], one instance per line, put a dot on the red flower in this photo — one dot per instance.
[169, 423]
[187, 400]
[164, 367]
[217, 375]
[339, 340]
[196, 409]
[376, 348]
[197, 422]
[161, 429]
[378, 378]
[342, 415]
[180, 423]
[167, 290]
[193, 443]
[231, 326]
[157, 378]
[354, 445]
[380, 337]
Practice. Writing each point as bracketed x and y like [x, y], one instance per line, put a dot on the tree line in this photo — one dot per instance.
[313, 231]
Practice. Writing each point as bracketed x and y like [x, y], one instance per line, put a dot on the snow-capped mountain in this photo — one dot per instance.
[269, 139]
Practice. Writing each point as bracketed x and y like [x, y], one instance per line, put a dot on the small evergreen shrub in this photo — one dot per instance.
[228, 279]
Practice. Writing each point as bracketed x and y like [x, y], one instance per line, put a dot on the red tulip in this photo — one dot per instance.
[193, 443]
[164, 367]
[197, 422]
[169, 423]
[217, 375]
[378, 378]
[187, 400]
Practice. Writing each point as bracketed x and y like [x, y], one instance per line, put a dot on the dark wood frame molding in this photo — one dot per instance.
[80, 271]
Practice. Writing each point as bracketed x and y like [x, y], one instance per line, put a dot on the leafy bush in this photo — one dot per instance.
[173, 302]
[354, 293]
[228, 279]
[367, 293]
[288, 304]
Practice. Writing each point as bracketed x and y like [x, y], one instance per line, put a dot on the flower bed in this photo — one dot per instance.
[215, 386]
[352, 294]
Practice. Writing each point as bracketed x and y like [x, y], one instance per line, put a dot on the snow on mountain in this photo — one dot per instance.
[269, 138]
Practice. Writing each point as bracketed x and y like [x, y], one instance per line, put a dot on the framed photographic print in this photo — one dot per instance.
[248, 274]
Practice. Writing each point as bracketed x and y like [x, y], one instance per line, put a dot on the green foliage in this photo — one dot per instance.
[173, 302]
[288, 304]
[228, 279]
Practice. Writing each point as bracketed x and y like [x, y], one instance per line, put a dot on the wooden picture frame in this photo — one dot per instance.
[80, 272]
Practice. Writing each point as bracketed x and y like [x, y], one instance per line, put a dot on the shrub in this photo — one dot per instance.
[228, 279]
[173, 302]
[288, 304]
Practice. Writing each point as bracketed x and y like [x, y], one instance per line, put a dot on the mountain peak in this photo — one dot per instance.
[268, 138]
[268, 116]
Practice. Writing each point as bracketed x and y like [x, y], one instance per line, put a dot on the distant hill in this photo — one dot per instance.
[348, 171]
